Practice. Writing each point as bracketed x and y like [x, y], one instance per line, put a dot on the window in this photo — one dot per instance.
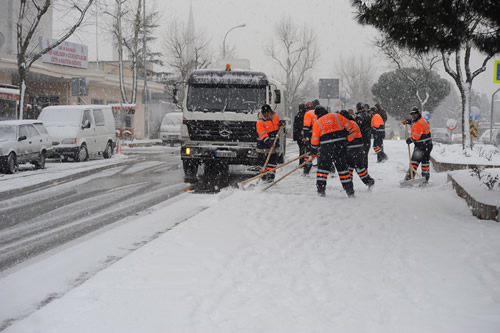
[41, 129]
[99, 117]
[97, 101]
[23, 131]
[87, 116]
[32, 131]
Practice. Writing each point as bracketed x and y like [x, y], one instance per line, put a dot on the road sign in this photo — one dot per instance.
[496, 78]
[329, 88]
[426, 115]
[473, 129]
[451, 124]
[474, 113]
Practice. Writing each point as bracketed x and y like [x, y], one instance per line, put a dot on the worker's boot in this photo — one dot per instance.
[321, 191]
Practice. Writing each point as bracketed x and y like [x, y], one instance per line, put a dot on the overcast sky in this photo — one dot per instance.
[338, 33]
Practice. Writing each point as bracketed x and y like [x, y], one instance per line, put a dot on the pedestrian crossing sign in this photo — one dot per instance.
[496, 79]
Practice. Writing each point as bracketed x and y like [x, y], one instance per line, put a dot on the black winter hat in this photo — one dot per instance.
[315, 103]
[345, 114]
[359, 106]
[414, 109]
[320, 111]
[302, 107]
[266, 108]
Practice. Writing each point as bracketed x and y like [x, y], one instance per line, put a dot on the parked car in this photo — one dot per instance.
[80, 131]
[485, 137]
[23, 141]
[441, 135]
[170, 129]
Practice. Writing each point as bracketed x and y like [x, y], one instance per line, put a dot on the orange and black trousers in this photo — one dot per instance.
[422, 154]
[333, 154]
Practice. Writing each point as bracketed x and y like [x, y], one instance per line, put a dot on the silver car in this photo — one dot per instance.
[23, 141]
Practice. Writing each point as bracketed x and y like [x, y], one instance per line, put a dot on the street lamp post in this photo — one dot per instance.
[224, 41]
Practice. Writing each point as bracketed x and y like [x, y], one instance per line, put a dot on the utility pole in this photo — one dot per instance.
[146, 92]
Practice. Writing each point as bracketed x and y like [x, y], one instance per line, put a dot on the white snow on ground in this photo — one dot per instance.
[476, 187]
[389, 260]
[480, 154]
[27, 176]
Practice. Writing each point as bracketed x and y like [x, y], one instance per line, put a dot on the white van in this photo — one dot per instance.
[170, 130]
[80, 131]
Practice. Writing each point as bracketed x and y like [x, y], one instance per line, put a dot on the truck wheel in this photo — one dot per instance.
[190, 168]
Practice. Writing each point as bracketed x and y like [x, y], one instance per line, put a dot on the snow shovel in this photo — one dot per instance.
[288, 174]
[412, 181]
[260, 175]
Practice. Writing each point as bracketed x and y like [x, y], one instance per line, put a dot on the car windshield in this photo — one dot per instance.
[8, 132]
[60, 117]
[223, 98]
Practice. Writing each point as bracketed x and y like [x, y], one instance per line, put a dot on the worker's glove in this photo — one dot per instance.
[282, 123]
[406, 122]
[409, 140]
[313, 151]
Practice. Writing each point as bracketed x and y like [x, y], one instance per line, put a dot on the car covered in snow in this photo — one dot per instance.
[79, 131]
[170, 129]
[495, 137]
[23, 141]
[441, 135]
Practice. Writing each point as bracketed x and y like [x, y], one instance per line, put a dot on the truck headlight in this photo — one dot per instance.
[69, 141]
[188, 151]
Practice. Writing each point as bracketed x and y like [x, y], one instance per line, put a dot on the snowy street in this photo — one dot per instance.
[285, 260]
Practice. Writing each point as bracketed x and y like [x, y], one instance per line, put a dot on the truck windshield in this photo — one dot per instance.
[225, 99]
[8, 132]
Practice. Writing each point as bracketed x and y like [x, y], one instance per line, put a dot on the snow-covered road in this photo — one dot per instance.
[285, 260]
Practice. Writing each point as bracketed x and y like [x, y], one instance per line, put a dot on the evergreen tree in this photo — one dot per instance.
[452, 27]
[397, 94]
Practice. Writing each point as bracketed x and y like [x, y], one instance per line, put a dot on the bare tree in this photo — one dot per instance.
[28, 20]
[185, 53]
[296, 52]
[127, 28]
[403, 59]
[356, 75]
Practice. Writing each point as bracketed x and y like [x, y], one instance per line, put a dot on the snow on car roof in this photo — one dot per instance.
[77, 107]
[20, 122]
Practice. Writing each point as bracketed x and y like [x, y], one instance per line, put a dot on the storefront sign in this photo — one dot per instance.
[66, 53]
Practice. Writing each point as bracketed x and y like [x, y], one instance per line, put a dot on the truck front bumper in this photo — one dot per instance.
[228, 154]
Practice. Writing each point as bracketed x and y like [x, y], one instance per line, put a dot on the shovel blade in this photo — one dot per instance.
[412, 183]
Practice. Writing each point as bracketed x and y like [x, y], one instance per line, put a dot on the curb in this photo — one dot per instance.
[480, 210]
[19, 191]
[440, 166]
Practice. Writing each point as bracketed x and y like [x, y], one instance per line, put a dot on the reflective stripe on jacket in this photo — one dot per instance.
[328, 129]
[267, 128]
[420, 131]
[377, 123]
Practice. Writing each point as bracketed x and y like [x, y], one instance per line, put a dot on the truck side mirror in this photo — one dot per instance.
[22, 138]
[277, 96]
[86, 124]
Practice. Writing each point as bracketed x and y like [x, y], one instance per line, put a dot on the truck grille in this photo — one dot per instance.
[216, 130]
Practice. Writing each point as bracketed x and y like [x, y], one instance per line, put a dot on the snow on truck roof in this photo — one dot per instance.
[244, 77]
[20, 122]
[76, 107]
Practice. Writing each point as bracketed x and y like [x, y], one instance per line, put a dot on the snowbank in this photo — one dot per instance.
[479, 155]
[476, 187]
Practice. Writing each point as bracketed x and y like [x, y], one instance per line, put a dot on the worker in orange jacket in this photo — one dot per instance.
[268, 125]
[378, 132]
[309, 120]
[421, 138]
[329, 133]
[355, 155]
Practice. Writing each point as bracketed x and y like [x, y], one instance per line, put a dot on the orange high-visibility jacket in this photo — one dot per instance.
[354, 131]
[309, 119]
[377, 121]
[329, 128]
[420, 131]
[266, 128]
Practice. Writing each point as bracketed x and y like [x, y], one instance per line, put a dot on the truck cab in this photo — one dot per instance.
[220, 112]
